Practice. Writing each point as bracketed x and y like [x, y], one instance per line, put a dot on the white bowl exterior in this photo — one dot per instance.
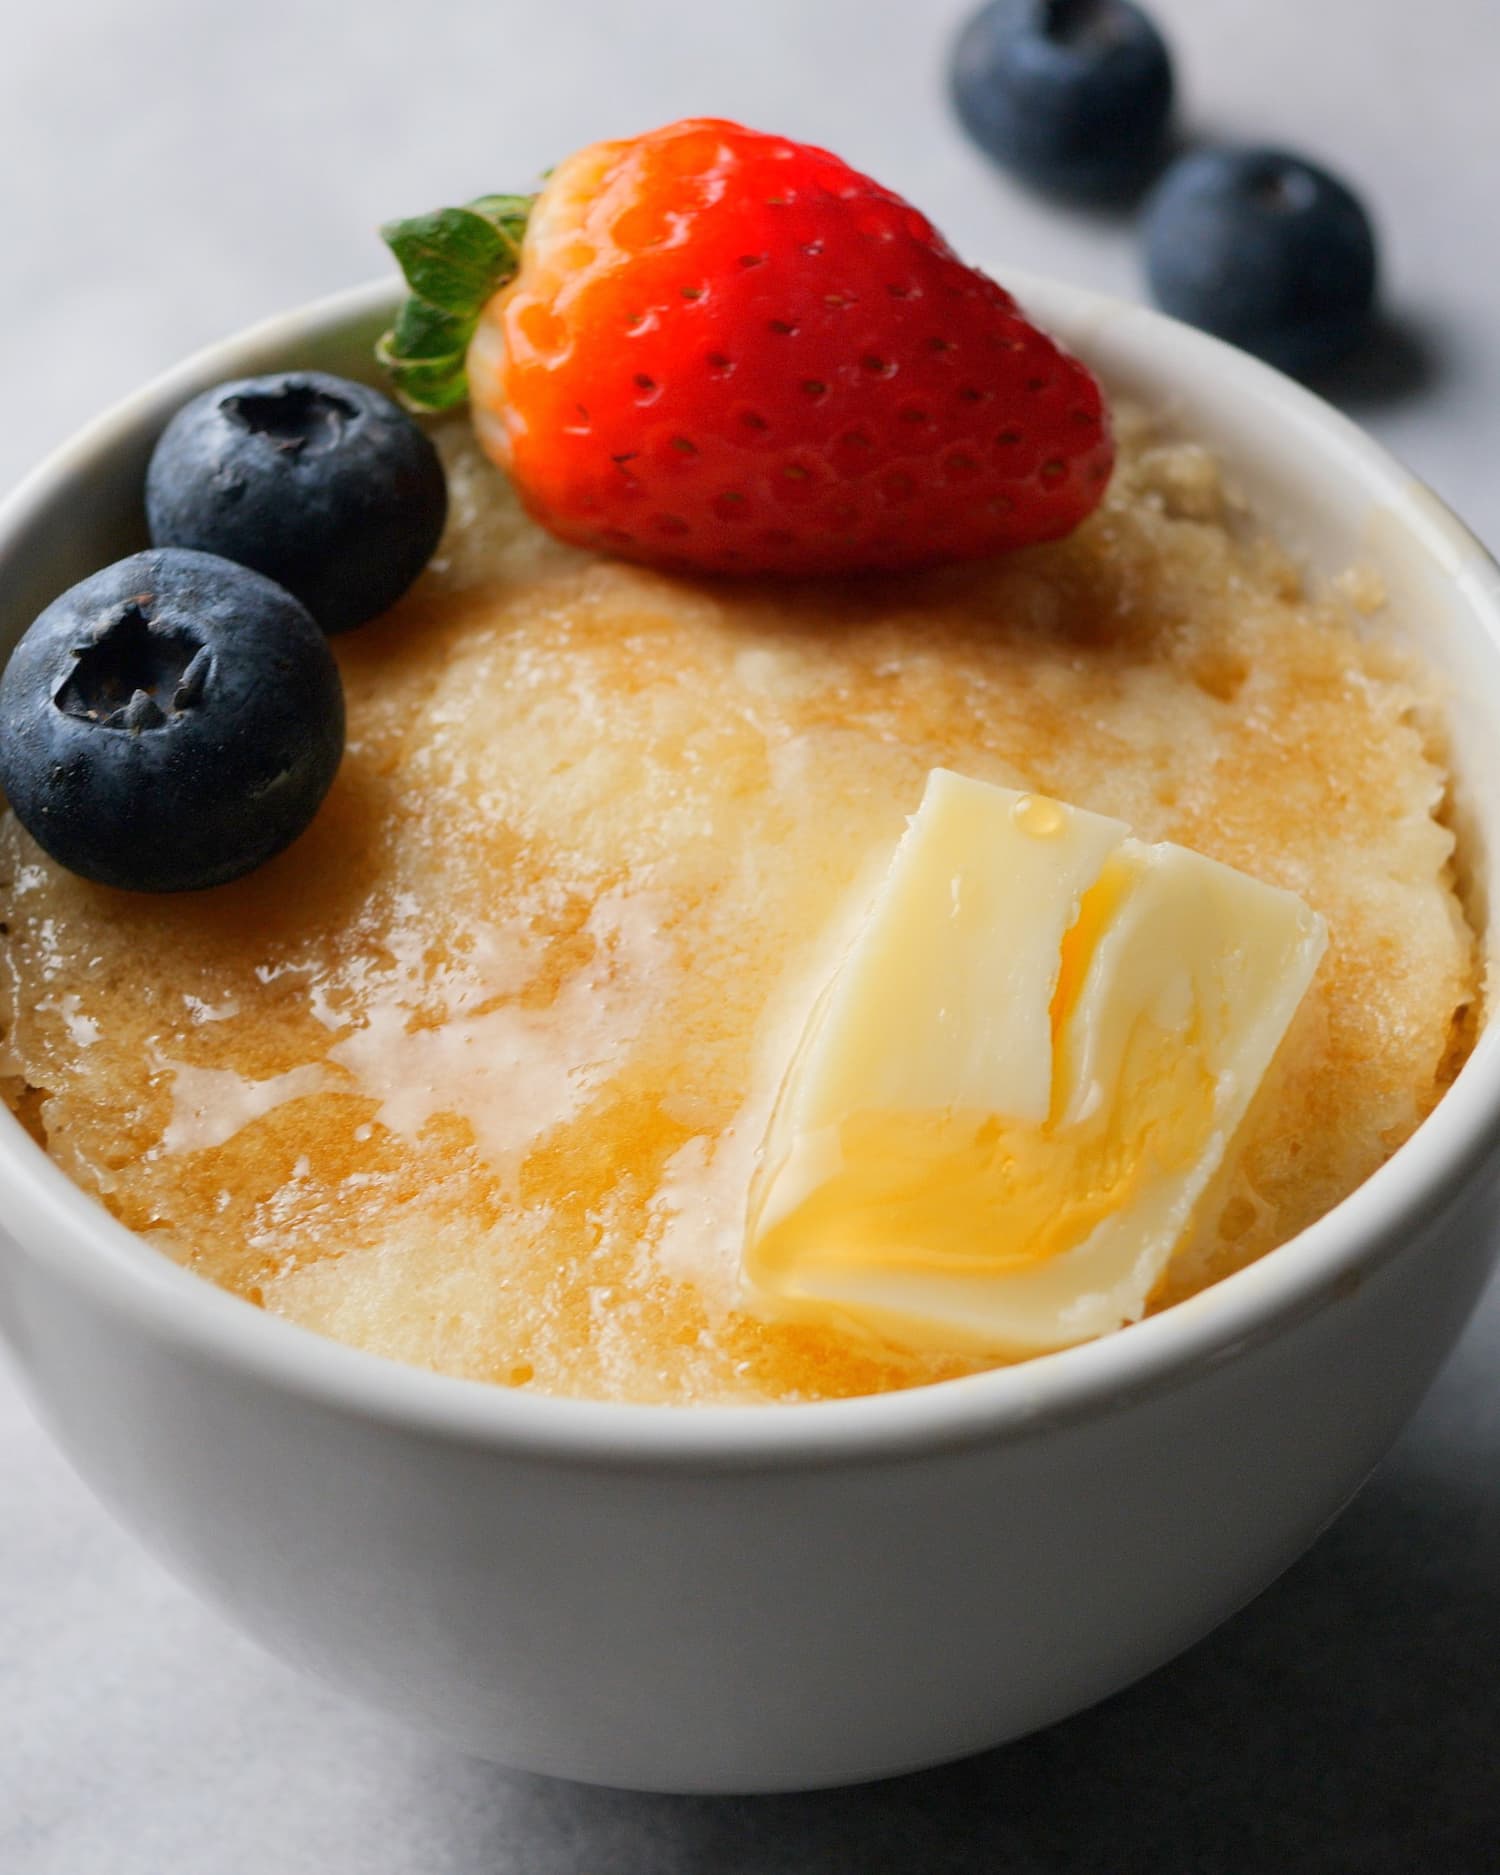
[718, 1628]
[751, 1599]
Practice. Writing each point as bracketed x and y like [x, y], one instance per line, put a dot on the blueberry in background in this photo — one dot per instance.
[1074, 96]
[322, 484]
[169, 723]
[1265, 249]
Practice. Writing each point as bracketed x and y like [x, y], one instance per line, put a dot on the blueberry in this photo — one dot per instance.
[1266, 250]
[1073, 95]
[319, 483]
[169, 722]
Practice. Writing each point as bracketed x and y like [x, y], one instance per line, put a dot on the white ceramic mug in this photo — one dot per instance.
[778, 1597]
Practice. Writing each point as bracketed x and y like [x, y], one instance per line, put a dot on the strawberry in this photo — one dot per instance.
[711, 349]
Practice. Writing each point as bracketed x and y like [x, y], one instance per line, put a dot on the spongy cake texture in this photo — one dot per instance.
[474, 1075]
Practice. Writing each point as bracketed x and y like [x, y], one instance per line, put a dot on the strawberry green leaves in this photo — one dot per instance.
[453, 260]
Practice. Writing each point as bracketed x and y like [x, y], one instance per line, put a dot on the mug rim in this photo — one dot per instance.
[54, 1221]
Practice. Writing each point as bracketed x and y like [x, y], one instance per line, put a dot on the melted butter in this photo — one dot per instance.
[82, 1029]
[211, 1105]
[1097, 910]
[977, 1195]
[1166, 984]
[1042, 818]
[515, 1071]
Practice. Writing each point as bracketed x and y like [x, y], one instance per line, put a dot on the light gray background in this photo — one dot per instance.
[172, 169]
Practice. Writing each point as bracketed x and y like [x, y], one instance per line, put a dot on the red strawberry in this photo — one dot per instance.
[729, 352]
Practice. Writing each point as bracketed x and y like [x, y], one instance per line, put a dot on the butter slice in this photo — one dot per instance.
[1022, 1076]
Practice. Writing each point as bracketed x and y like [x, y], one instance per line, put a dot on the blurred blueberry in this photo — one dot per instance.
[1072, 95]
[1266, 250]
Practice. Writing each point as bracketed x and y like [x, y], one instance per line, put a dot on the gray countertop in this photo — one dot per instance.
[171, 171]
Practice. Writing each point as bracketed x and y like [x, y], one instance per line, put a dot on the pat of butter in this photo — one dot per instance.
[1021, 1078]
